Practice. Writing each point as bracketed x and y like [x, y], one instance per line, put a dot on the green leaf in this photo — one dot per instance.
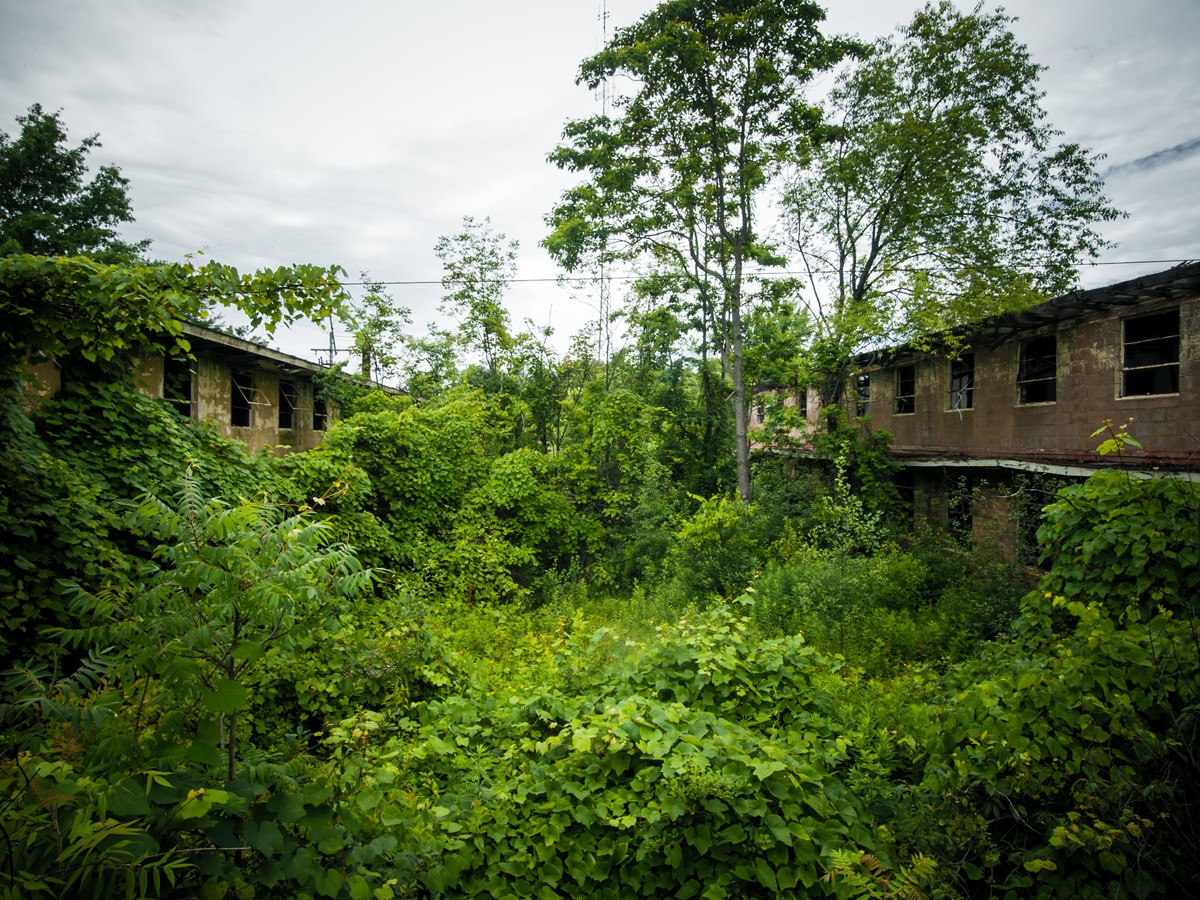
[227, 696]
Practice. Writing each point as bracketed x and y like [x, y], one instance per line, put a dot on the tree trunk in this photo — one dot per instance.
[741, 424]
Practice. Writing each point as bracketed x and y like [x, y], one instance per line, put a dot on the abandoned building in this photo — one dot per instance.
[262, 397]
[1020, 403]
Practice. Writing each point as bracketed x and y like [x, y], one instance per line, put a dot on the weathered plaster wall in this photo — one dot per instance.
[1088, 393]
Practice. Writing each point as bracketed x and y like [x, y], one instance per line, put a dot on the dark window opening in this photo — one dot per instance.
[241, 399]
[802, 402]
[906, 390]
[863, 395]
[287, 404]
[1037, 371]
[962, 382]
[1151, 364]
[177, 385]
[320, 414]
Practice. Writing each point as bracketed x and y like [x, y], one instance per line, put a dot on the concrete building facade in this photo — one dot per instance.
[1027, 392]
[262, 397]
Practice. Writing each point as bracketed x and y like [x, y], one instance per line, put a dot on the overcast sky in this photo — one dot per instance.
[355, 133]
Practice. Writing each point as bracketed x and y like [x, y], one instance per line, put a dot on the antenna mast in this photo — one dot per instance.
[605, 336]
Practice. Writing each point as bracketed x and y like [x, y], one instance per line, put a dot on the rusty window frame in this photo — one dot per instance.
[1037, 370]
[1150, 354]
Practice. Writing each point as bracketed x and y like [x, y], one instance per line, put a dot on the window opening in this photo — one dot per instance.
[863, 395]
[320, 414]
[287, 404]
[242, 398]
[1037, 370]
[1151, 362]
[962, 382]
[802, 403]
[177, 385]
[906, 390]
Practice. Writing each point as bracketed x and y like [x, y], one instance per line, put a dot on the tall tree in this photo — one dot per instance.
[479, 263]
[942, 196]
[678, 173]
[378, 329]
[47, 205]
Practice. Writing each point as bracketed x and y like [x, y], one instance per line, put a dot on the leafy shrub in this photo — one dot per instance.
[884, 611]
[1125, 541]
[69, 467]
[715, 553]
[1066, 766]
[699, 764]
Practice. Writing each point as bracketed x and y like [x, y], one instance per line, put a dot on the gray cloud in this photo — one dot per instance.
[1157, 159]
[298, 131]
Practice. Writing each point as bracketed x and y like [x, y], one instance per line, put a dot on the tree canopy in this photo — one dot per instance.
[942, 194]
[677, 176]
[48, 206]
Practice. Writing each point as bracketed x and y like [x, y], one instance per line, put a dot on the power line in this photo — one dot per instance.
[774, 273]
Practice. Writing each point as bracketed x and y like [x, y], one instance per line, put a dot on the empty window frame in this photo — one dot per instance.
[177, 385]
[241, 399]
[287, 405]
[1037, 370]
[906, 390]
[862, 394]
[802, 403]
[962, 382]
[320, 414]
[1151, 355]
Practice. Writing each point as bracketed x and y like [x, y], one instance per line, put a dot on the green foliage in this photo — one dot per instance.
[943, 197]
[229, 585]
[1065, 765]
[715, 553]
[1128, 542]
[69, 466]
[128, 776]
[932, 604]
[859, 511]
[698, 766]
[378, 324]
[47, 208]
[424, 492]
[677, 177]
[62, 307]
[479, 263]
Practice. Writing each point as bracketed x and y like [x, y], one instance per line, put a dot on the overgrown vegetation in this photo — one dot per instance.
[411, 663]
[518, 634]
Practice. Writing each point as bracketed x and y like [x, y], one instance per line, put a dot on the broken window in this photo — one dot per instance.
[241, 399]
[320, 414]
[1037, 370]
[863, 395]
[802, 403]
[1151, 362]
[177, 385]
[906, 390]
[962, 382]
[287, 404]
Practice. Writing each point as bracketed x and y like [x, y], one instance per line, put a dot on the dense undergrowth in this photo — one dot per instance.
[423, 661]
